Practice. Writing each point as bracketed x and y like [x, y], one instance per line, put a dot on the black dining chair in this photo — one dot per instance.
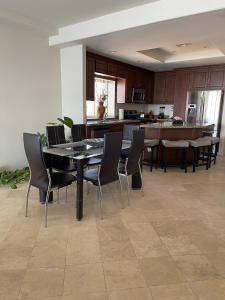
[78, 133]
[56, 135]
[132, 164]
[107, 172]
[40, 175]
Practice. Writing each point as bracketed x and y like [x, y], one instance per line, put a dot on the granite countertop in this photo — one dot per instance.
[170, 125]
[110, 121]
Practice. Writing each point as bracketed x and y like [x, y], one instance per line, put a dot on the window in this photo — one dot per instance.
[106, 87]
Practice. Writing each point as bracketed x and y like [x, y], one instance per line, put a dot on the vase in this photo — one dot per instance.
[100, 110]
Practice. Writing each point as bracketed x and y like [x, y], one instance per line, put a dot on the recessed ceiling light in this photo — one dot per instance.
[183, 45]
[112, 51]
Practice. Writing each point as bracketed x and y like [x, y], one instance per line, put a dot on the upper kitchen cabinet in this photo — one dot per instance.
[164, 88]
[101, 66]
[90, 82]
[199, 78]
[216, 77]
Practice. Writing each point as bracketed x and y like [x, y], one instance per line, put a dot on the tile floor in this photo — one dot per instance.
[168, 245]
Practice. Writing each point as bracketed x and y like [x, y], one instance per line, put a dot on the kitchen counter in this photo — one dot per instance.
[110, 121]
[169, 125]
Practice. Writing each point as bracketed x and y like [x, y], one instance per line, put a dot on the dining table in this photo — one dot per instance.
[80, 152]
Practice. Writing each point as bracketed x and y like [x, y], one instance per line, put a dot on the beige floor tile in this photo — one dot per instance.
[85, 278]
[83, 251]
[111, 230]
[209, 289]
[218, 262]
[131, 294]
[10, 283]
[89, 296]
[173, 292]
[196, 267]
[43, 283]
[38, 298]
[117, 250]
[14, 258]
[161, 271]
[123, 275]
[43, 257]
[180, 245]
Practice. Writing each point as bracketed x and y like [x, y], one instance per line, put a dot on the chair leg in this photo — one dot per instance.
[58, 195]
[165, 159]
[28, 192]
[157, 157]
[66, 194]
[194, 159]
[100, 199]
[185, 160]
[88, 187]
[208, 155]
[142, 186]
[46, 206]
[128, 189]
[121, 192]
[152, 159]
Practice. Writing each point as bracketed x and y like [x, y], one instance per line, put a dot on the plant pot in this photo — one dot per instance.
[101, 110]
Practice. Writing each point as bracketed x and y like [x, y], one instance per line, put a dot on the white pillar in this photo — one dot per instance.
[73, 83]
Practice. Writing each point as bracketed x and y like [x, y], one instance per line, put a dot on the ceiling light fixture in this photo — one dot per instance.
[112, 51]
[183, 45]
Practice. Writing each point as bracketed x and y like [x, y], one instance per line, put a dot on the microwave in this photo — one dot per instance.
[138, 95]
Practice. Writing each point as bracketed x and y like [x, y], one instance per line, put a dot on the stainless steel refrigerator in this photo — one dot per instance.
[205, 107]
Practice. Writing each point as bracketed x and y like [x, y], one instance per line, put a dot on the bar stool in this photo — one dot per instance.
[152, 146]
[197, 145]
[215, 142]
[181, 145]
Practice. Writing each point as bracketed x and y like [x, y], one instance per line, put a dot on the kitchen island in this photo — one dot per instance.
[168, 131]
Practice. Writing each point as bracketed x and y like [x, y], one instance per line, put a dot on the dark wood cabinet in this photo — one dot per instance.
[101, 66]
[164, 88]
[216, 78]
[199, 79]
[180, 94]
[90, 82]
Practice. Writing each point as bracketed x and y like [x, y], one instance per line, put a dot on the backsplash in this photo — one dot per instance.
[146, 108]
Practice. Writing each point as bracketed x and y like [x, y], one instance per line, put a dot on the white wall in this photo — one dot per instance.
[29, 90]
[73, 82]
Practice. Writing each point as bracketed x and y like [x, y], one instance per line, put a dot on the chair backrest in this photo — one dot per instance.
[78, 132]
[55, 134]
[111, 155]
[128, 131]
[136, 151]
[34, 154]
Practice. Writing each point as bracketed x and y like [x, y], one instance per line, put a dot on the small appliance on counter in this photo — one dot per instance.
[177, 121]
[161, 114]
[121, 114]
[131, 114]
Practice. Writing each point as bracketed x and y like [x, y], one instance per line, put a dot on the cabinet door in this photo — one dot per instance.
[199, 79]
[159, 88]
[101, 67]
[169, 88]
[90, 79]
[216, 78]
[180, 95]
[112, 69]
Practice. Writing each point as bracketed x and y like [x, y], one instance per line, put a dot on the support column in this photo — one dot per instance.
[73, 82]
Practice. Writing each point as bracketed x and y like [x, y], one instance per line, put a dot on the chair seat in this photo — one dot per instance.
[175, 144]
[60, 179]
[91, 175]
[94, 161]
[151, 143]
[201, 142]
[215, 140]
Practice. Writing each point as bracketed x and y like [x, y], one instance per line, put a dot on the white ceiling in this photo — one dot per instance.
[59, 13]
[166, 35]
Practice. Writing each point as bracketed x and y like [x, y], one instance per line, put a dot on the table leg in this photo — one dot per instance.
[136, 181]
[79, 199]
